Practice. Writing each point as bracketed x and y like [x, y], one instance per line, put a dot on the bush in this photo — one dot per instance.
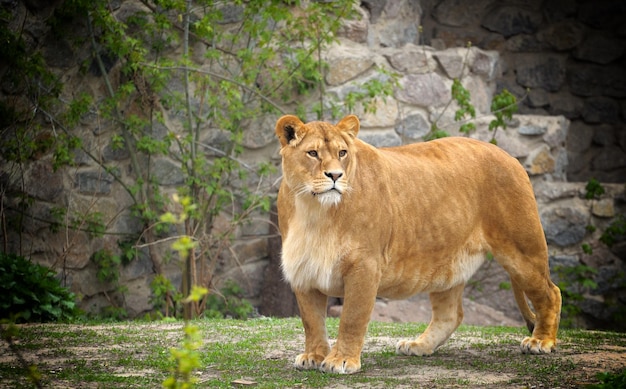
[29, 292]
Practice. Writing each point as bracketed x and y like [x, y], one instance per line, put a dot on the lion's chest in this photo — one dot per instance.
[311, 258]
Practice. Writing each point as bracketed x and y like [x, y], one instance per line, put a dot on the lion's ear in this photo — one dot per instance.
[287, 129]
[350, 124]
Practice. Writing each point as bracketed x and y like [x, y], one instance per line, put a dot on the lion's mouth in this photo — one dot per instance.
[331, 190]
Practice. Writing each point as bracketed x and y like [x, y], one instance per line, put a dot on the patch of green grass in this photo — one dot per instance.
[136, 354]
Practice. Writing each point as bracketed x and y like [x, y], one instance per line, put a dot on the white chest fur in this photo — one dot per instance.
[311, 253]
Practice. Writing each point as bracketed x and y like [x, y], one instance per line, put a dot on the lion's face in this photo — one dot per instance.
[317, 157]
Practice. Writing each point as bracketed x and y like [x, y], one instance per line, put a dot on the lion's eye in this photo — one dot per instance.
[343, 153]
[312, 153]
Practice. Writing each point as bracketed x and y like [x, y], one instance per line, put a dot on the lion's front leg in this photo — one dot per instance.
[359, 297]
[312, 305]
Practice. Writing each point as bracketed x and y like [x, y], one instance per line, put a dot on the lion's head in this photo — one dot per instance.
[317, 157]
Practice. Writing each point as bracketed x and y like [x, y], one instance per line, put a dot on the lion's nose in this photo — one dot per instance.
[333, 175]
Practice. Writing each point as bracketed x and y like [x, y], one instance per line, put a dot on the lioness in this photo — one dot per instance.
[359, 222]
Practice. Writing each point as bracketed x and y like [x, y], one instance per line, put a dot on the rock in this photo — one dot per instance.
[524, 43]
[485, 63]
[259, 132]
[603, 208]
[346, 62]
[423, 90]
[563, 103]
[547, 191]
[563, 35]
[607, 14]
[140, 266]
[248, 276]
[459, 13]
[540, 161]
[562, 261]
[41, 172]
[604, 135]
[597, 80]
[599, 48]
[411, 59]
[94, 182]
[137, 298]
[380, 138]
[538, 98]
[415, 126]
[168, 172]
[397, 25]
[114, 153]
[531, 130]
[356, 29]
[451, 60]
[600, 109]
[565, 225]
[580, 136]
[545, 71]
[510, 20]
[384, 113]
[417, 309]
[610, 158]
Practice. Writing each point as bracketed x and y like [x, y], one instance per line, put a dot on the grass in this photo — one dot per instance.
[261, 351]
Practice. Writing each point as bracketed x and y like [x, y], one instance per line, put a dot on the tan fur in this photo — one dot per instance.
[403, 220]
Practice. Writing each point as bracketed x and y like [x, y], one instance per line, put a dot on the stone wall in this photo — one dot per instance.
[571, 56]
[553, 138]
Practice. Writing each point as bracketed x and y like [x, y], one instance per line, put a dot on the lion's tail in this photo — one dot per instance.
[522, 303]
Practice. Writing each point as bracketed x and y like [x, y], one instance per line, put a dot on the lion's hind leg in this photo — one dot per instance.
[447, 315]
[546, 300]
[532, 281]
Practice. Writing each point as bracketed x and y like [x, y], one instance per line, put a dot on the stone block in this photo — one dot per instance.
[346, 62]
[510, 20]
[603, 207]
[41, 172]
[414, 126]
[598, 47]
[94, 182]
[423, 90]
[600, 109]
[563, 35]
[545, 71]
[597, 80]
[451, 60]
[380, 138]
[611, 157]
[411, 59]
[565, 225]
[167, 172]
[540, 161]
[380, 113]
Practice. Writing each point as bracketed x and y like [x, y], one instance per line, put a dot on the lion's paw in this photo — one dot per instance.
[308, 361]
[532, 345]
[412, 347]
[340, 365]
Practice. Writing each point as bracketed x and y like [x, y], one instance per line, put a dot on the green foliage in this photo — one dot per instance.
[593, 189]
[228, 303]
[186, 360]
[574, 282]
[466, 109]
[30, 292]
[610, 380]
[503, 106]
[615, 232]
[165, 297]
